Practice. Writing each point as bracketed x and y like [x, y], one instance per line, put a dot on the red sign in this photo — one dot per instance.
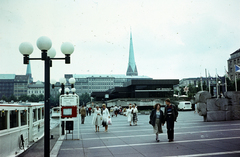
[69, 111]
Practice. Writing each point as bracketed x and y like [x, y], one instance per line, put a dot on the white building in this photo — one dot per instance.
[36, 89]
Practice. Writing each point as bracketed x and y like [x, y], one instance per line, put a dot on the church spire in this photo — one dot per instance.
[29, 72]
[132, 68]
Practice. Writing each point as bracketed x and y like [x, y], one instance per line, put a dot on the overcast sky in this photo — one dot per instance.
[171, 39]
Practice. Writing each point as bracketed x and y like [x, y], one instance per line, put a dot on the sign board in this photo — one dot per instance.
[69, 111]
[69, 101]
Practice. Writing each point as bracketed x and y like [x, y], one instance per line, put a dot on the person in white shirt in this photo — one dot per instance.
[106, 117]
[97, 116]
[129, 114]
[134, 111]
[112, 111]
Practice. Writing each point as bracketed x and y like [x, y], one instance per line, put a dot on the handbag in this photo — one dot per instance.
[109, 121]
[104, 123]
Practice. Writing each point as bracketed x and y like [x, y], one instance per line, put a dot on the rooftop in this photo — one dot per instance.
[7, 76]
[108, 75]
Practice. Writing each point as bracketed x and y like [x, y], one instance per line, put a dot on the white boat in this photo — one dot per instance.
[21, 125]
[56, 112]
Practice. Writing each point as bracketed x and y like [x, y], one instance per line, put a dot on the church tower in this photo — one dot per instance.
[132, 68]
[29, 73]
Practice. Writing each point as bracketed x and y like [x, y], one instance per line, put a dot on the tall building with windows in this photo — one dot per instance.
[99, 83]
[21, 85]
[232, 61]
[6, 85]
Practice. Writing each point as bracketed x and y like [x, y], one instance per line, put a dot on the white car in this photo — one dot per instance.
[185, 105]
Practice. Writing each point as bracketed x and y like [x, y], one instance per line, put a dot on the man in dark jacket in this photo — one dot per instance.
[170, 116]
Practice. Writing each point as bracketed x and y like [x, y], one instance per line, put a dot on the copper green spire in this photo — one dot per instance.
[29, 73]
[132, 68]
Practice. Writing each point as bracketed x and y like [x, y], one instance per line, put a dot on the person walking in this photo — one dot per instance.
[86, 110]
[97, 116]
[112, 111]
[129, 114]
[106, 117]
[170, 117]
[157, 120]
[116, 110]
[90, 111]
[134, 112]
[83, 114]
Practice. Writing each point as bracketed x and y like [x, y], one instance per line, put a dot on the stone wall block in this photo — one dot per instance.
[216, 116]
[211, 105]
[202, 109]
[202, 96]
[236, 112]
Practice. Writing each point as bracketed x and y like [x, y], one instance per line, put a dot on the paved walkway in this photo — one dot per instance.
[193, 137]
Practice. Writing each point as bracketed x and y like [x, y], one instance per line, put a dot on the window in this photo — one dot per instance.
[3, 120]
[14, 119]
[23, 115]
[39, 114]
[34, 115]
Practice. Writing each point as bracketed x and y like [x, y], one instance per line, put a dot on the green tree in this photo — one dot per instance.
[4, 98]
[84, 98]
[205, 86]
[23, 98]
[33, 98]
[12, 97]
[41, 97]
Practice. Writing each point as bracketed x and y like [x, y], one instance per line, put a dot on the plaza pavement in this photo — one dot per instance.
[193, 138]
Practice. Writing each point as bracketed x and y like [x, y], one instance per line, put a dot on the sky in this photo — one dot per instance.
[171, 39]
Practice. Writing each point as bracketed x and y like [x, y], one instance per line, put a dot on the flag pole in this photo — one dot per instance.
[225, 79]
[236, 81]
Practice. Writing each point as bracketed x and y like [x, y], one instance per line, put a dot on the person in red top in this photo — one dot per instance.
[89, 111]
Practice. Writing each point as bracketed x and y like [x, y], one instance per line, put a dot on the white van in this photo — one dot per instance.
[185, 105]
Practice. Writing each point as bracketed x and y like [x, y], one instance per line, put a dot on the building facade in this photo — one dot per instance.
[6, 85]
[36, 89]
[232, 61]
[100, 83]
[21, 85]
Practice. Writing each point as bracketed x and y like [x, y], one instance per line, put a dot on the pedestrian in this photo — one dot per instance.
[134, 112]
[83, 114]
[129, 114]
[157, 120]
[170, 117]
[112, 111]
[106, 117]
[116, 110]
[89, 111]
[86, 110]
[97, 118]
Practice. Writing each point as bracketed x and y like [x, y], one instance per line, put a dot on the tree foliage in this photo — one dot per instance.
[84, 98]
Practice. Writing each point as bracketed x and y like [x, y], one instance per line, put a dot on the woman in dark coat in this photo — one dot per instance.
[157, 120]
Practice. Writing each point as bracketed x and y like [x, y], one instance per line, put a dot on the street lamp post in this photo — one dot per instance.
[48, 54]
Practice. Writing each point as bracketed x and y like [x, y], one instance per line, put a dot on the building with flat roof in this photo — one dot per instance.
[100, 83]
[159, 88]
[6, 84]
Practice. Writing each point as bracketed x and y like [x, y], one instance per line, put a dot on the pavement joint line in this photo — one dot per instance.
[133, 136]
[151, 129]
[208, 154]
[145, 144]
[177, 127]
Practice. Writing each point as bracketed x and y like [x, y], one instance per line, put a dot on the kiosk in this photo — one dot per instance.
[69, 104]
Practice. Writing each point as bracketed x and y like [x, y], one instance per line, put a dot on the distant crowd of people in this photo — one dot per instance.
[102, 116]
